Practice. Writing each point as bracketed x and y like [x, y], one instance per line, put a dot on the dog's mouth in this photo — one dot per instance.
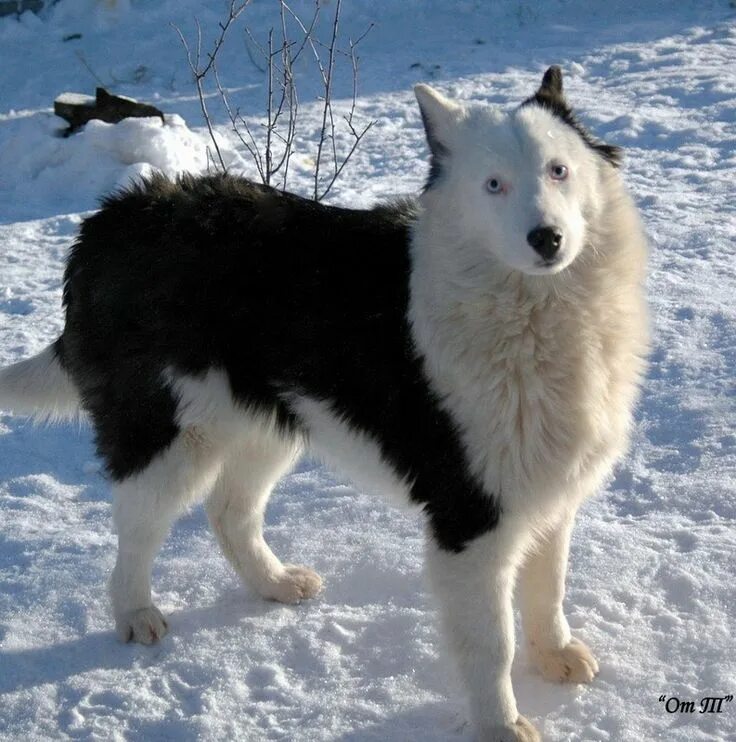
[548, 266]
[548, 262]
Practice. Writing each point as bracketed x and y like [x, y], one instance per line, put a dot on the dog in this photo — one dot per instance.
[476, 351]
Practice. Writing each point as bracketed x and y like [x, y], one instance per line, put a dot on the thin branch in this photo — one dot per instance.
[269, 114]
[285, 53]
[358, 139]
[265, 53]
[327, 108]
[201, 72]
[80, 56]
[357, 136]
[354, 64]
[272, 148]
[234, 12]
[309, 38]
[287, 91]
[236, 118]
[250, 53]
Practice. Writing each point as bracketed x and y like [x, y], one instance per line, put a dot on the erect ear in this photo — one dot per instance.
[552, 83]
[550, 97]
[440, 116]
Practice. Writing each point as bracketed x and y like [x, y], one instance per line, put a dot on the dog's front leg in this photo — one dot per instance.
[474, 589]
[556, 653]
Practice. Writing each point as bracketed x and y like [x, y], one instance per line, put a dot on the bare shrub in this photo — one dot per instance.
[271, 144]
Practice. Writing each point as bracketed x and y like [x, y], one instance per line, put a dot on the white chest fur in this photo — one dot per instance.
[540, 374]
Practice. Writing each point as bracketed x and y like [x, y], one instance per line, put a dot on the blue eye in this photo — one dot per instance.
[558, 172]
[494, 185]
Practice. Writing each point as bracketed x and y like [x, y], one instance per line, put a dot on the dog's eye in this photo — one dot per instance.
[494, 185]
[558, 172]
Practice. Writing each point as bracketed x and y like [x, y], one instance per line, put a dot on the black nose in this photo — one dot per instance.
[545, 240]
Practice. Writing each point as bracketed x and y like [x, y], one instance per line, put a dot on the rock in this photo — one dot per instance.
[78, 109]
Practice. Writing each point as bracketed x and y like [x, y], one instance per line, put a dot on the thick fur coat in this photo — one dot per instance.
[476, 352]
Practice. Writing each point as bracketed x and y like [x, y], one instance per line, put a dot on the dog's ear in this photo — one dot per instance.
[439, 115]
[552, 83]
[550, 91]
[549, 96]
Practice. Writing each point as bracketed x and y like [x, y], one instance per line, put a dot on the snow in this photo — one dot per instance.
[75, 99]
[99, 159]
[651, 583]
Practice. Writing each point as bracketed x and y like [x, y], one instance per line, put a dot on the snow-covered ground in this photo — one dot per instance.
[653, 567]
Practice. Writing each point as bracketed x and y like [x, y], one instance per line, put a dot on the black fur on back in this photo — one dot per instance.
[551, 97]
[287, 296]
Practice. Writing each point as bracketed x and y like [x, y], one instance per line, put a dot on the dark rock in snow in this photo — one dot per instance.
[78, 109]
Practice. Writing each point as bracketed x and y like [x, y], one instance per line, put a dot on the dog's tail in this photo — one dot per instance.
[40, 387]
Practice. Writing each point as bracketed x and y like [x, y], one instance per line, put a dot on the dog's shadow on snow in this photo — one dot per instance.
[439, 720]
[430, 722]
[29, 668]
[27, 448]
[447, 720]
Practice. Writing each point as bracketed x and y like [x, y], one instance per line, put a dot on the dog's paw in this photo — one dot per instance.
[145, 625]
[293, 585]
[571, 664]
[521, 731]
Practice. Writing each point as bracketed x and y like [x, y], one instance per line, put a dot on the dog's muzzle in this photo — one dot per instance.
[546, 241]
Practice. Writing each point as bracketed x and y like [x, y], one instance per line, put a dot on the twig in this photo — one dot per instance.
[327, 108]
[201, 72]
[250, 54]
[235, 117]
[269, 111]
[307, 32]
[354, 64]
[272, 148]
[358, 139]
[357, 136]
[80, 56]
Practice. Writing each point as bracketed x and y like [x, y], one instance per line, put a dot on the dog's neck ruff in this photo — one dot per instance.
[530, 367]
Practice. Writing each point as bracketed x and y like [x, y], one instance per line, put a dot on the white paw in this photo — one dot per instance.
[571, 664]
[520, 731]
[144, 625]
[293, 585]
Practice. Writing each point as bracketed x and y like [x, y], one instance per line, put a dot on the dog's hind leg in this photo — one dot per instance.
[236, 508]
[144, 507]
[557, 655]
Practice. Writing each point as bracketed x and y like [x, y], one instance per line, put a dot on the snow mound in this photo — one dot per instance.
[651, 584]
[51, 174]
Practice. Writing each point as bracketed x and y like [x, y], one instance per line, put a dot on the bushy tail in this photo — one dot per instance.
[40, 387]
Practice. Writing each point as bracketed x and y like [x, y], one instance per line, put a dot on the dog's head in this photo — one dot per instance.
[523, 184]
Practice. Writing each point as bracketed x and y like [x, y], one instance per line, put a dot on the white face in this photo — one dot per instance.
[507, 175]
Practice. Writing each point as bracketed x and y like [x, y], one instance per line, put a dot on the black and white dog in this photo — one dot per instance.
[476, 352]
